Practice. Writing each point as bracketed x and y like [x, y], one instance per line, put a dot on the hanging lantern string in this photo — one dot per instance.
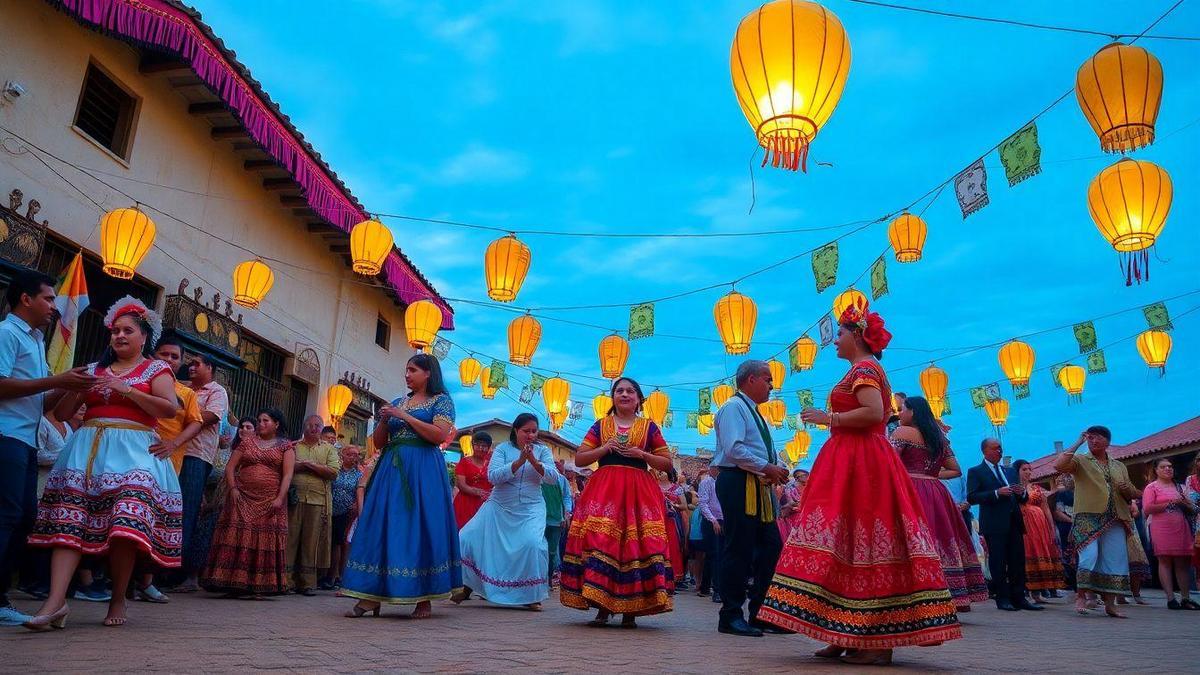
[1027, 24]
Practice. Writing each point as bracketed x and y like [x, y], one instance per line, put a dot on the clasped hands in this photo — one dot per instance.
[623, 449]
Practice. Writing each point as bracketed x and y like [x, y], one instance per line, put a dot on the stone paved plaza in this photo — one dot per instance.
[199, 633]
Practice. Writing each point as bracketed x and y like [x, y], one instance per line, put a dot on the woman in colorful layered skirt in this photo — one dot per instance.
[505, 555]
[404, 549]
[862, 570]
[927, 462]
[471, 475]
[616, 556]
[672, 502]
[1102, 519]
[248, 553]
[107, 494]
[1043, 564]
[216, 492]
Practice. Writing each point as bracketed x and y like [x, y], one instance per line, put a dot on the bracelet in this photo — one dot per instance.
[833, 419]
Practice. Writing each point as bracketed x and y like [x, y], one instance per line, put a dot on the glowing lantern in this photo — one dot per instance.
[1016, 360]
[464, 442]
[614, 352]
[655, 406]
[937, 406]
[933, 383]
[557, 419]
[524, 333]
[850, 297]
[722, 393]
[1072, 378]
[773, 411]
[789, 63]
[702, 427]
[803, 440]
[601, 405]
[1119, 90]
[370, 243]
[736, 315]
[338, 399]
[505, 265]
[1129, 202]
[706, 419]
[997, 412]
[468, 371]
[806, 352]
[252, 280]
[126, 236]
[907, 235]
[778, 372]
[485, 384]
[555, 392]
[1155, 348]
[422, 321]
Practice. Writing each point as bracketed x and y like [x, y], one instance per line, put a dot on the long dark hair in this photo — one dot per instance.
[436, 384]
[927, 424]
[522, 419]
[109, 357]
[612, 393]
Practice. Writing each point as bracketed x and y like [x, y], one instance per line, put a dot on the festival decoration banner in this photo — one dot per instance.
[705, 401]
[641, 321]
[879, 284]
[1021, 391]
[794, 357]
[499, 378]
[982, 394]
[1157, 317]
[441, 348]
[1085, 335]
[1054, 370]
[1021, 155]
[970, 186]
[536, 381]
[1096, 363]
[791, 423]
[806, 398]
[71, 301]
[826, 329]
[946, 408]
[693, 420]
[526, 395]
[825, 265]
[576, 412]
[669, 419]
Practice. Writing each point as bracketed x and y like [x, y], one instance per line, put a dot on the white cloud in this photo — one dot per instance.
[479, 163]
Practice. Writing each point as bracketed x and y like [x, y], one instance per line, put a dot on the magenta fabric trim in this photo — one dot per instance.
[160, 25]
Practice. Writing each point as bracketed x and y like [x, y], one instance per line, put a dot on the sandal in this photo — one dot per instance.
[358, 611]
[150, 594]
[1188, 603]
[601, 619]
[534, 607]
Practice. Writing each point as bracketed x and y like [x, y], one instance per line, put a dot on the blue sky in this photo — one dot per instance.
[620, 117]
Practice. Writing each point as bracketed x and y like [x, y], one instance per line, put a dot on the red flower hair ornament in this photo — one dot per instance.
[869, 325]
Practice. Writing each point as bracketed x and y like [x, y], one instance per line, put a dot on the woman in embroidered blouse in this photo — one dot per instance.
[616, 557]
[1170, 510]
[107, 494]
[471, 477]
[404, 548]
[505, 555]
[1043, 562]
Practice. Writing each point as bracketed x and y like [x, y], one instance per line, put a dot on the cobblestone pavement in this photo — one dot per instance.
[198, 633]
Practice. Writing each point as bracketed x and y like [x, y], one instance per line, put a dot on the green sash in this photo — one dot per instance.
[760, 499]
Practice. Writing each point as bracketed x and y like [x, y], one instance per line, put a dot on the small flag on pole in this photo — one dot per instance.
[71, 301]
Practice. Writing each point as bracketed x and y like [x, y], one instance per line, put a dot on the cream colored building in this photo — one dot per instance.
[96, 115]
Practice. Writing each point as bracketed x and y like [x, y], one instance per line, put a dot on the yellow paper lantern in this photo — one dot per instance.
[722, 393]
[485, 384]
[937, 406]
[774, 412]
[706, 418]
[1119, 90]
[806, 352]
[851, 297]
[422, 321]
[370, 243]
[524, 334]
[655, 406]
[778, 373]
[736, 316]
[803, 440]
[997, 412]
[468, 371]
[1016, 360]
[126, 236]
[555, 392]
[907, 236]
[789, 63]
[933, 383]
[464, 442]
[1155, 347]
[252, 280]
[558, 419]
[614, 352]
[1072, 379]
[1129, 202]
[338, 400]
[505, 265]
[601, 404]
[702, 427]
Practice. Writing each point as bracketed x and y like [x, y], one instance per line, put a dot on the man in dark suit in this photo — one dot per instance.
[999, 494]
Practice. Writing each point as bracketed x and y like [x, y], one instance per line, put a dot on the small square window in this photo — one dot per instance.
[383, 332]
[106, 112]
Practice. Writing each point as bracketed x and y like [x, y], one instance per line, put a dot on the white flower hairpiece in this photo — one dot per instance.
[131, 305]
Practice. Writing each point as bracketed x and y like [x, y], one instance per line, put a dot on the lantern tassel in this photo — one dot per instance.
[1137, 266]
[787, 153]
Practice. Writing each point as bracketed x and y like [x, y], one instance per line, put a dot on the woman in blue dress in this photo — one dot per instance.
[405, 545]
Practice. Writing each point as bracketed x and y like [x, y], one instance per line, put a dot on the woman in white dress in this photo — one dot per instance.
[504, 550]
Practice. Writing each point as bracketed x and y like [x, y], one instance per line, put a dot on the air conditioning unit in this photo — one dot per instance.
[304, 365]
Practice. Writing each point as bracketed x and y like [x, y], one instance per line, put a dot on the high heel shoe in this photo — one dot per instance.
[869, 657]
[54, 620]
[358, 611]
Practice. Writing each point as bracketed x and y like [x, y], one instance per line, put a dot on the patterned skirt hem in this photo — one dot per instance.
[659, 602]
[925, 636]
[1086, 580]
[88, 548]
[214, 586]
[397, 601]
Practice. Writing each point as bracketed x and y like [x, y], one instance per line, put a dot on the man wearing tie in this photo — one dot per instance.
[999, 495]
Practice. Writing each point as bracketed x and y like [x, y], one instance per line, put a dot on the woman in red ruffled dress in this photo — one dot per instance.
[861, 571]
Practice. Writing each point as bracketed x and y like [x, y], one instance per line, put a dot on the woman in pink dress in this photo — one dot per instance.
[1193, 493]
[789, 503]
[1169, 511]
[928, 461]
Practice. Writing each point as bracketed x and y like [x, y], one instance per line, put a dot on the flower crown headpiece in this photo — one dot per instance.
[870, 326]
[131, 306]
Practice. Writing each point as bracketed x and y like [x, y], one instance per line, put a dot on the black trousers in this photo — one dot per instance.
[18, 504]
[713, 543]
[1006, 560]
[751, 548]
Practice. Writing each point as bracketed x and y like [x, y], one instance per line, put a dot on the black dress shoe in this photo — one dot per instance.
[1025, 604]
[1005, 605]
[739, 627]
[770, 628]
[307, 592]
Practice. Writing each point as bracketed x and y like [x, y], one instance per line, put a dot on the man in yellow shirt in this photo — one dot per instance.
[310, 518]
